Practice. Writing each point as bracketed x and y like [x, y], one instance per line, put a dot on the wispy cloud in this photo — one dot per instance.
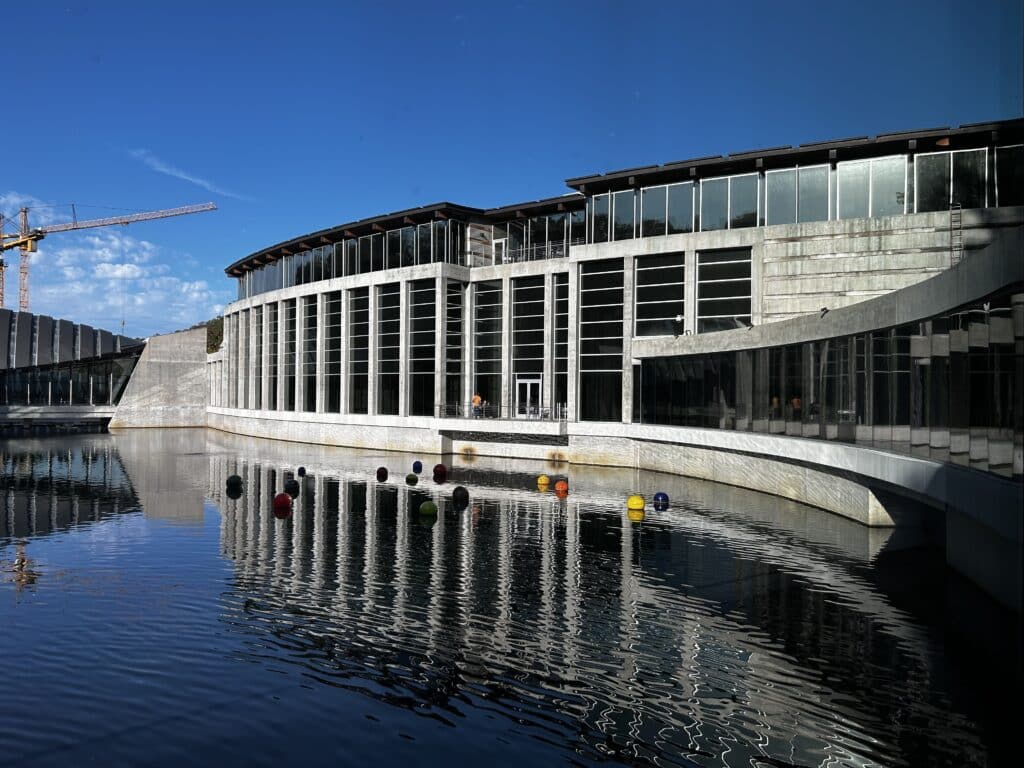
[158, 165]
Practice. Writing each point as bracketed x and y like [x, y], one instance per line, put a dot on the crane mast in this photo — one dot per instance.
[27, 238]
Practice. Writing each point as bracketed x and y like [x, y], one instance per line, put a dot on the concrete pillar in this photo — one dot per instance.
[300, 363]
[6, 317]
[690, 291]
[265, 361]
[506, 347]
[280, 355]
[255, 365]
[440, 341]
[468, 354]
[321, 334]
[628, 280]
[572, 411]
[343, 353]
[371, 353]
[548, 377]
[403, 347]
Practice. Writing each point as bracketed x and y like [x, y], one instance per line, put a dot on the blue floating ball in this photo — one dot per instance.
[301, 472]
[417, 466]
[661, 500]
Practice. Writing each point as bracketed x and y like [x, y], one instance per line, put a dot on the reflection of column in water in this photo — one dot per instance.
[344, 543]
[402, 563]
[370, 552]
[251, 496]
[281, 540]
[266, 515]
[302, 509]
[435, 596]
[32, 511]
[572, 586]
[319, 531]
[501, 629]
[467, 582]
[547, 586]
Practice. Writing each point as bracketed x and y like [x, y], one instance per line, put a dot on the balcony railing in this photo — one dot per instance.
[489, 411]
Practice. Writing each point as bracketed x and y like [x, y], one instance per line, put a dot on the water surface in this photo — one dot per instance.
[147, 618]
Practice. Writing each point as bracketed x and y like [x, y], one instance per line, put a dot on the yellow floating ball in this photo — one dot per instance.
[635, 515]
[543, 480]
[635, 502]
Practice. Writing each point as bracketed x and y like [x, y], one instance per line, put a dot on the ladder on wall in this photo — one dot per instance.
[956, 234]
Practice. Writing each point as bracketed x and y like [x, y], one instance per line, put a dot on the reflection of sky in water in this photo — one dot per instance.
[525, 629]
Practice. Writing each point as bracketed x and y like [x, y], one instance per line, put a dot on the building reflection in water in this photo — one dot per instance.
[712, 630]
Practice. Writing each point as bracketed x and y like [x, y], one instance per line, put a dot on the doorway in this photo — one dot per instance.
[527, 398]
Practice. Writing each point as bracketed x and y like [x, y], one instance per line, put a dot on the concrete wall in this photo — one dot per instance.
[6, 319]
[168, 387]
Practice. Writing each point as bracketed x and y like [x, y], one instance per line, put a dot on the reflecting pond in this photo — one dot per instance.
[147, 616]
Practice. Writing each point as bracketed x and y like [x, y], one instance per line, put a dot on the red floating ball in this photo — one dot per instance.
[282, 506]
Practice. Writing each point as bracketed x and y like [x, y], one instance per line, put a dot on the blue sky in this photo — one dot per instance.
[297, 116]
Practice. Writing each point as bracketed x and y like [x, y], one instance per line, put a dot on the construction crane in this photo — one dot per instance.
[28, 238]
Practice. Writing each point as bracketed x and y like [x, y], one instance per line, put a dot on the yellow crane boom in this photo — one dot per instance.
[27, 238]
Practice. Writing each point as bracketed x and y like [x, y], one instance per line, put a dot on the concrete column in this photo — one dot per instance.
[343, 363]
[241, 375]
[506, 347]
[265, 360]
[548, 378]
[321, 334]
[690, 291]
[628, 279]
[440, 341]
[756, 279]
[255, 366]
[280, 355]
[371, 341]
[403, 347]
[299, 362]
[468, 354]
[572, 411]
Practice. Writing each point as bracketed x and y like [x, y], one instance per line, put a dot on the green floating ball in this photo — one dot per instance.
[411, 479]
[428, 508]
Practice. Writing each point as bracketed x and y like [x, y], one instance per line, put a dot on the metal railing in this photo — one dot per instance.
[493, 411]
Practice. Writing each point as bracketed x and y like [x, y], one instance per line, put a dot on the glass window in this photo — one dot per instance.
[743, 201]
[969, 177]
[623, 214]
[723, 289]
[423, 241]
[714, 204]
[781, 194]
[577, 226]
[812, 194]
[1010, 175]
[599, 215]
[394, 248]
[888, 186]
[931, 183]
[408, 246]
[652, 211]
[659, 294]
[853, 189]
[440, 237]
[680, 208]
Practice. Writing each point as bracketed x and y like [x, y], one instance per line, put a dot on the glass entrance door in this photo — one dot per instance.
[527, 398]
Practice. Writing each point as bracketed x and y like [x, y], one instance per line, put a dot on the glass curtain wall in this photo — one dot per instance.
[454, 304]
[487, 346]
[729, 203]
[1010, 175]
[422, 338]
[288, 356]
[257, 363]
[358, 350]
[332, 352]
[944, 178]
[389, 341]
[272, 371]
[723, 289]
[659, 294]
[309, 345]
[561, 361]
[94, 382]
[600, 340]
[949, 388]
[875, 187]
[528, 343]
[797, 195]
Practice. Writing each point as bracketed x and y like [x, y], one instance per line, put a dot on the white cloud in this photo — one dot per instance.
[100, 276]
[158, 165]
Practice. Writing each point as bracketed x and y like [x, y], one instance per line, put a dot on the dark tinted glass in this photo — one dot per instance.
[1010, 175]
[812, 193]
[932, 187]
[599, 215]
[853, 189]
[714, 204]
[743, 202]
[653, 212]
[969, 178]
[680, 208]
[623, 212]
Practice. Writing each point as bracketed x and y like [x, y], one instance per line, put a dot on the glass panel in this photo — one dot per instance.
[714, 204]
[888, 186]
[813, 194]
[680, 208]
[969, 178]
[599, 216]
[743, 201]
[781, 194]
[623, 212]
[1010, 175]
[932, 183]
[652, 209]
[853, 189]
